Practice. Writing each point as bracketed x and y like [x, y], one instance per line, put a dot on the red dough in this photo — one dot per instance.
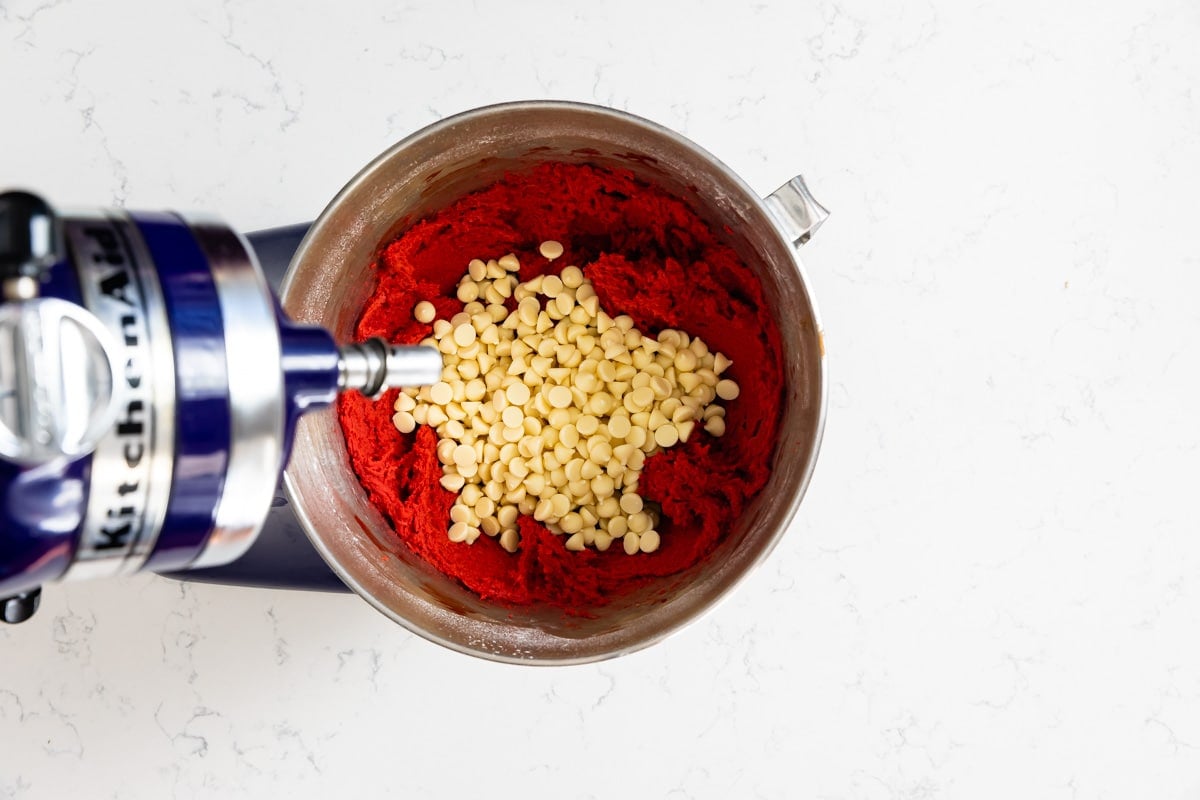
[649, 256]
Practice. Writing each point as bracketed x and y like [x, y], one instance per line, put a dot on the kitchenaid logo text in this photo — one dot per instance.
[121, 464]
[117, 285]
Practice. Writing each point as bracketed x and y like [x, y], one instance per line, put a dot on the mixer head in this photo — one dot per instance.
[149, 389]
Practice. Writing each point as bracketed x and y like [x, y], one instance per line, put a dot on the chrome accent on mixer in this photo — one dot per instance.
[132, 464]
[256, 391]
[20, 288]
[57, 374]
[57, 362]
[796, 210]
[30, 242]
[21, 606]
[374, 365]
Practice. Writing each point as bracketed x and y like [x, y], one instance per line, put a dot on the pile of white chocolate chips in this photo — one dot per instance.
[551, 409]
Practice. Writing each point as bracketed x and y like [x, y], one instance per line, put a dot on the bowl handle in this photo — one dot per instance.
[796, 210]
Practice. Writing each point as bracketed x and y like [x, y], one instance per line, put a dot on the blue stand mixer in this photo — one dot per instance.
[149, 390]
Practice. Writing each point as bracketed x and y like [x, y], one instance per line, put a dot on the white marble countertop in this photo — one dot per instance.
[992, 587]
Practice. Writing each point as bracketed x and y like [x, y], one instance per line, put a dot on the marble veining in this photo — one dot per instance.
[991, 589]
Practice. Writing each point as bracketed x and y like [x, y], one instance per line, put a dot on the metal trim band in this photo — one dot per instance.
[256, 392]
[202, 438]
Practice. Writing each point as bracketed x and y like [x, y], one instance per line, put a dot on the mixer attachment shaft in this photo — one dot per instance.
[374, 365]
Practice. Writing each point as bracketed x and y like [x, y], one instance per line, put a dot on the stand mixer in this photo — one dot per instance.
[150, 386]
[152, 389]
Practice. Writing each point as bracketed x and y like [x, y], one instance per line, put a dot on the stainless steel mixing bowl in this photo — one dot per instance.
[331, 277]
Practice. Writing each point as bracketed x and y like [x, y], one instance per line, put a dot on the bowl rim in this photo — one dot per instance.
[690, 616]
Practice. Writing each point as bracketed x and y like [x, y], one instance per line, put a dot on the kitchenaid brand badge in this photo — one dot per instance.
[121, 465]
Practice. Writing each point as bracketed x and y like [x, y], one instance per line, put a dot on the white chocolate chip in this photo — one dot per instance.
[648, 541]
[667, 435]
[510, 540]
[572, 278]
[552, 411]
[424, 312]
[452, 482]
[560, 397]
[441, 393]
[464, 455]
[461, 532]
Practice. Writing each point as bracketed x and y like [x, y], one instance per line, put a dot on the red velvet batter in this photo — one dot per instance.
[648, 256]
